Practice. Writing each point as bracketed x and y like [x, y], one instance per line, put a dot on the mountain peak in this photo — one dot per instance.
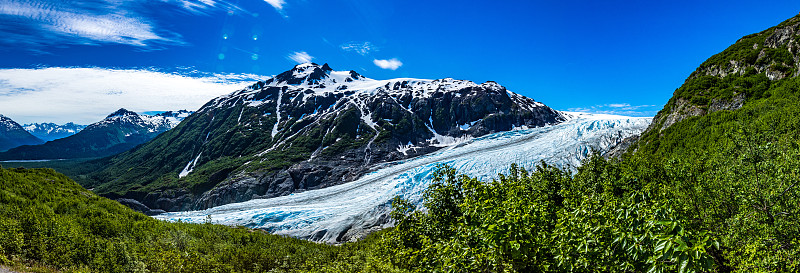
[304, 73]
[122, 112]
[325, 67]
[13, 135]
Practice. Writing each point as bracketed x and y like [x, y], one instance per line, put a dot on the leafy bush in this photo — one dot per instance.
[732, 210]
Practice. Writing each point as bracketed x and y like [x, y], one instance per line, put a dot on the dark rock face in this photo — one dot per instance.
[621, 148]
[138, 206]
[312, 127]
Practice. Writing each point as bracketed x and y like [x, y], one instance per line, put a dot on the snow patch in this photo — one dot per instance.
[277, 113]
[407, 147]
[189, 167]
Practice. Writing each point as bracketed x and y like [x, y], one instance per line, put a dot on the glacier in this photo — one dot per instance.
[350, 211]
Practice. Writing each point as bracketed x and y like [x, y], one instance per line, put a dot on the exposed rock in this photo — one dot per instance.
[781, 36]
[681, 110]
[621, 148]
[138, 206]
[727, 104]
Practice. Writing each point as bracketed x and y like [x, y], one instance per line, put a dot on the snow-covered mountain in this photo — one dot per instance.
[141, 124]
[309, 128]
[118, 132]
[13, 135]
[51, 131]
[348, 211]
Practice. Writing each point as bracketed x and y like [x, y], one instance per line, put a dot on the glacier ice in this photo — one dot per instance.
[338, 213]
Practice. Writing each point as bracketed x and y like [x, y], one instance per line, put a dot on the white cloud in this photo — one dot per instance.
[362, 48]
[392, 64]
[300, 57]
[87, 95]
[624, 109]
[277, 4]
[618, 105]
[42, 23]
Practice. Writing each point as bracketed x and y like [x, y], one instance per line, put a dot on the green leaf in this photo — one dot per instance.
[684, 263]
[682, 244]
[661, 245]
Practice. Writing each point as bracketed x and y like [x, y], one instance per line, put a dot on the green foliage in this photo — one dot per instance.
[703, 89]
[749, 53]
[731, 209]
[47, 220]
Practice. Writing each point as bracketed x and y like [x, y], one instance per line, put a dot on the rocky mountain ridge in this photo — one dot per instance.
[740, 73]
[308, 128]
[49, 131]
[13, 135]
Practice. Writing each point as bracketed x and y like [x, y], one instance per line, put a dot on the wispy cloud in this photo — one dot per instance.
[392, 64]
[40, 23]
[300, 57]
[362, 48]
[86, 95]
[277, 4]
[624, 109]
[622, 105]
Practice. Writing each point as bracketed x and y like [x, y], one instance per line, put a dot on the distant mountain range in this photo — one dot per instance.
[13, 135]
[52, 131]
[119, 132]
[308, 128]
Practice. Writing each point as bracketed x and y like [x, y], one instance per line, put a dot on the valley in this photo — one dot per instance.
[322, 170]
[350, 211]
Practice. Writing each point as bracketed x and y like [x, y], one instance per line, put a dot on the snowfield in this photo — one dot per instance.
[348, 211]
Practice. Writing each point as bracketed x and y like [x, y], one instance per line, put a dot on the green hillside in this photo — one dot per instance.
[48, 223]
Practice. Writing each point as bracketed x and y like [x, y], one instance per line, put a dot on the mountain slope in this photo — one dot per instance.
[13, 135]
[309, 128]
[759, 70]
[730, 137]
[119, 132]
[48, 223]
[351, 210]
[52, 131]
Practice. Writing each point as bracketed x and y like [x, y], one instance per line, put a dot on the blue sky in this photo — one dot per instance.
[624, 57]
